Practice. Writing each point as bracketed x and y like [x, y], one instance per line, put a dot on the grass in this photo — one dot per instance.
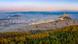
[66, 35]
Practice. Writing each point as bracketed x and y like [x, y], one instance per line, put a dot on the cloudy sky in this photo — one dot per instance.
[38, 5]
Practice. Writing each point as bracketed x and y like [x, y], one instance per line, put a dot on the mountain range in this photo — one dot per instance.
[61, 22]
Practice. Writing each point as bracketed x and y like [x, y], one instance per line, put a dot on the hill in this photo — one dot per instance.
[66, 35]
[62, 21]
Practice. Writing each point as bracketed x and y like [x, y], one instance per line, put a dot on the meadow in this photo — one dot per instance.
[66, 35]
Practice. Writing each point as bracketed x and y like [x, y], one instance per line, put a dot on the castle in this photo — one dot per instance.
[65, 17]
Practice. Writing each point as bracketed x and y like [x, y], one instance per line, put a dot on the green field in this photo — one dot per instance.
[66, 35]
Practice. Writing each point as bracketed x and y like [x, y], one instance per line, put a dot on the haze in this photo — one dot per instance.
[38, 5]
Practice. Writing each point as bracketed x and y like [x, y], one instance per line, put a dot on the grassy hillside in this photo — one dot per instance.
[66, 35]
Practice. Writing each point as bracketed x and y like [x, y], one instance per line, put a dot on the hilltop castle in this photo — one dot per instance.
[65, 17]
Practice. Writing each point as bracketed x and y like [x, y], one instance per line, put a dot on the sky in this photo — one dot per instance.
[38, 5]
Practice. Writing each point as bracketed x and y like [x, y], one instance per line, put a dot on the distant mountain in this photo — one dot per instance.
[44, 12]
[11, 20]
[59, 23]
[37, 20]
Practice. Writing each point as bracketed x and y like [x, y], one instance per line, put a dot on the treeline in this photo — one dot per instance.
[66, 35]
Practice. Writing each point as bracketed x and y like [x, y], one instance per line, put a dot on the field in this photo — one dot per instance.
[66, 35]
